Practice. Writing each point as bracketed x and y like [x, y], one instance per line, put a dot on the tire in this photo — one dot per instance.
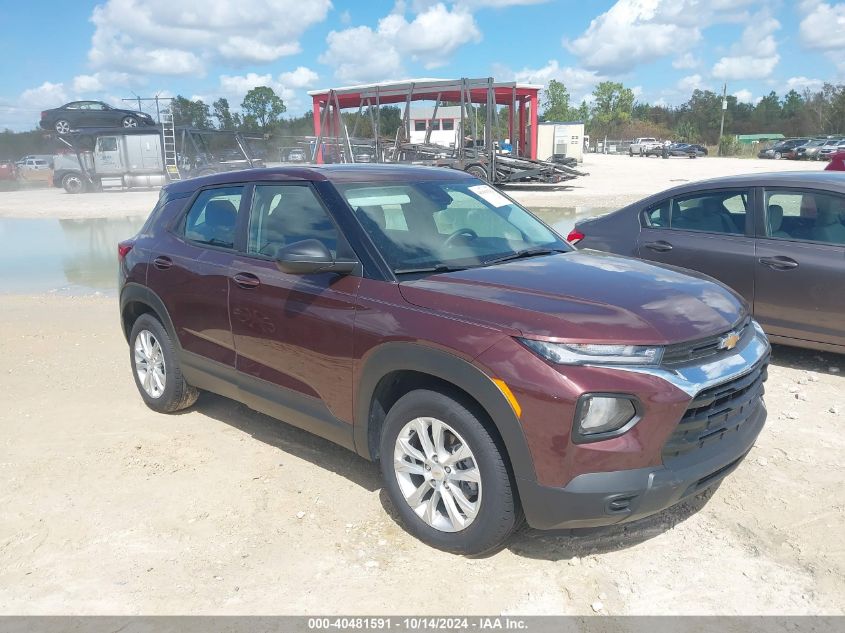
[176, 393]
[496, 512]
[129, 121]
[631, 153]
[73, 183]
[61, 126]
[777, 156]
[477, 171]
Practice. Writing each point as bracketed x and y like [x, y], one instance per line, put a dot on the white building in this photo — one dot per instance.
[565, 138]
[444, 130]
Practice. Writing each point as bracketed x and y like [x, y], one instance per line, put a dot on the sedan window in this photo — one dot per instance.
[713, 212]
[806, 216]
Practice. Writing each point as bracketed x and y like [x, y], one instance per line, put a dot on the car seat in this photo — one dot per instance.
[828, 226]
[219, 224]
[776, 221]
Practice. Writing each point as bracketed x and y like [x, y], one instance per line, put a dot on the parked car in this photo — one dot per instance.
[781, 148]
[297, 155]
[777, 239]
[423, 319]
[79, 114]
[830, 148]
[34, 164]
[810, 149]
[686, 149]
[643, 146]
[8, 170]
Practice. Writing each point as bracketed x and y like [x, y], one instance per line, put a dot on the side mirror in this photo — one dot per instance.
[311, 256]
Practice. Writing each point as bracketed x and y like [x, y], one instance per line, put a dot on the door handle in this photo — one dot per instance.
[162, 262]
[247, 281]
[660, 246]
[779, 262]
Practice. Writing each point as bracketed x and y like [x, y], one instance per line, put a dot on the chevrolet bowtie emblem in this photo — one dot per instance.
[729, 340]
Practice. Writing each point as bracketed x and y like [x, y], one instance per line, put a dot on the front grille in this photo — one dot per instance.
[681, 353]
[717, 412]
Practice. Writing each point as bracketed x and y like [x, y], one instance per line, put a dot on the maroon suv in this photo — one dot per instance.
[422, 319]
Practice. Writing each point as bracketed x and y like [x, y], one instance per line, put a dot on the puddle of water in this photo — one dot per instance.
[563, 219]
[68, 256]
[80, 256]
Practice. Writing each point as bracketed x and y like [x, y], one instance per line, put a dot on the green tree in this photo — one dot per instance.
[190, 113]
[262, 108]
[612, 106]
[226, 120]
[556, 102]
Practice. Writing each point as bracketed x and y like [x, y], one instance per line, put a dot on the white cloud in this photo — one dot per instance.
[632, 32]
[302, 77]
[691, 82]
[803, 83]
[823, 25]
[755, 56]
[685, 62]
[286, 85]
[744, 96]
[167, 38]
[365, 54]
[100, 82]
[47, 95]
[578, 81]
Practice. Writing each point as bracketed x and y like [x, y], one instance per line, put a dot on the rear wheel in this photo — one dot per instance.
[73, 183]
[157, 372]
[446, 476]
[62, 126]
[477, 171]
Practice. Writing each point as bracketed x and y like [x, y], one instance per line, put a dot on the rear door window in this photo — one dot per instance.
[212, 217]
[805, 215]
[711, 212]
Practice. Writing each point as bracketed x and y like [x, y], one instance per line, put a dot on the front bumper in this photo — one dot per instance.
[599, 499]
[594, 499]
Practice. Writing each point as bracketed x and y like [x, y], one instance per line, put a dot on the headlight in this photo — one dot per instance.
[590, 354]
[599, 416]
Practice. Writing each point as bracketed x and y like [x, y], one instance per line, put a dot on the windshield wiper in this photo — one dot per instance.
[440, 268]
[526, 252]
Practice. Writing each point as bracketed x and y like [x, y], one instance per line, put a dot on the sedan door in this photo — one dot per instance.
[704, 231]
[800, 268]
[293, 332]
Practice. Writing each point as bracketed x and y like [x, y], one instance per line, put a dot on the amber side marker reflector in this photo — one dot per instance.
[506, 391]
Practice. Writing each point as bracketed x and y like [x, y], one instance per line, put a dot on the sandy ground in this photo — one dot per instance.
[614, 181]
[109, 508]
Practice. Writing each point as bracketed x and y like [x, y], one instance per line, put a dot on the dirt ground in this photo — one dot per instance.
[109, 508]
[614, 181]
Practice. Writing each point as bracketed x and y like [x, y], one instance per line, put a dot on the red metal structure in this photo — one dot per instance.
[522, 100]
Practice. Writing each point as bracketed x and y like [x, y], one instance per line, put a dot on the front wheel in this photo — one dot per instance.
[778, 155]
[129, 121]
[157, 372]
[73, 183]
[446, 475]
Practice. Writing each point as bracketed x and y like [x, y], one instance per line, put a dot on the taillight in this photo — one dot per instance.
[123, 249]
[575, 236]
[43, 114]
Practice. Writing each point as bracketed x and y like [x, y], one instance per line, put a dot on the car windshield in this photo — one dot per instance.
[436, 226]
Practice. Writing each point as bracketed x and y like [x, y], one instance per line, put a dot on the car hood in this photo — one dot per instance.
[583, 296]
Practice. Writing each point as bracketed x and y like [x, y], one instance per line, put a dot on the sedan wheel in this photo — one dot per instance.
[149, 364]
[437, 474]
[130, 121]
[62, 126]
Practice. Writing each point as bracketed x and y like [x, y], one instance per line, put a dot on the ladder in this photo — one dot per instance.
[168, 145]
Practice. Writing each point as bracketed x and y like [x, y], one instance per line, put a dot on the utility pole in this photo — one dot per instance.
[724, 109]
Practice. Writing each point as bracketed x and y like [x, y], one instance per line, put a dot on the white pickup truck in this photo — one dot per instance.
[644, 146]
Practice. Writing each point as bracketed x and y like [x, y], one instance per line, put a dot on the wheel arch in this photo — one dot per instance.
[136, 300]
[397, 368]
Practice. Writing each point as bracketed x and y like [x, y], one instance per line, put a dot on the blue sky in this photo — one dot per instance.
[210, 48]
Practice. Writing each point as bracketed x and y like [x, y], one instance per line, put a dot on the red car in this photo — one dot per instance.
[837, 162]
[419, 317]
[8, 170]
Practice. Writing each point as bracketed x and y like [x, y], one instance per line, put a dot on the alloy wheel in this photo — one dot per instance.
[62, 127]
[130, 122]
[149, 364]
[437, 474]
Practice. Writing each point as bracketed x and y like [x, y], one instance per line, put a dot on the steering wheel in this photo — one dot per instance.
[465, 232]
